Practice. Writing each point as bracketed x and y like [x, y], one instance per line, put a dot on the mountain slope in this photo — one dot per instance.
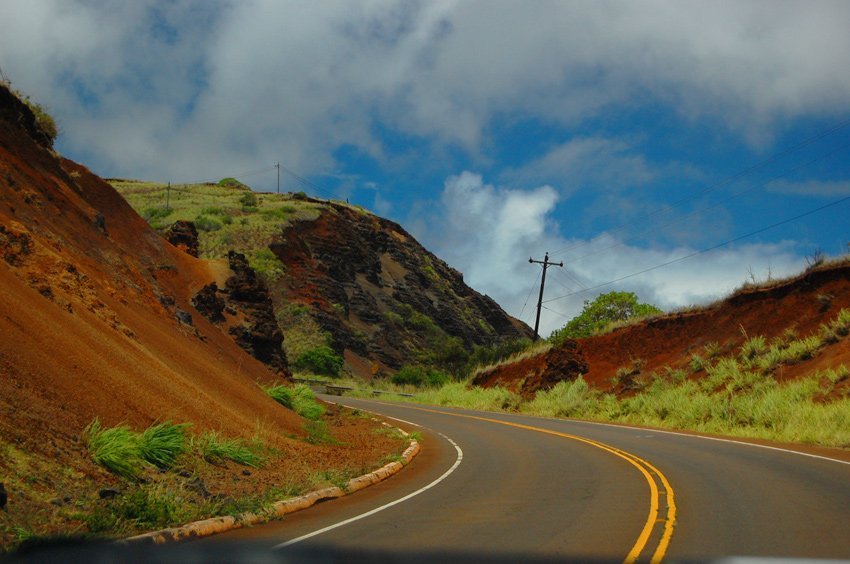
[97, 321]
[382, 297]
[338, 275]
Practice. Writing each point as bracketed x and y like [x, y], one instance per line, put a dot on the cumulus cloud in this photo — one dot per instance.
[603, 163]
[489, 233]
[195, 87]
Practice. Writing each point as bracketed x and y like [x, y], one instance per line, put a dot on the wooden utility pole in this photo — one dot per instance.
[546, 264]
[277, 166]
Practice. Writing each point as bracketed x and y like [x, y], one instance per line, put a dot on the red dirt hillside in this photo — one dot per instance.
[802, 304]
[96, 320]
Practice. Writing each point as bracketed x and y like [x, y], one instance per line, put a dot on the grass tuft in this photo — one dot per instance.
[162, 443]
[299, 398]
[215, 449]
[116, 448]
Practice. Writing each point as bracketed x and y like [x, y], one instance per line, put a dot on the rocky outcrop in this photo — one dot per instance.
[379, 294]
[539, 372]
[13, 110]
[246, 311]
[209, 303]
[564, 363]
[183, 235]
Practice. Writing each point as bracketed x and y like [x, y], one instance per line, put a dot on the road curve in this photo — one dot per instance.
[528, 488]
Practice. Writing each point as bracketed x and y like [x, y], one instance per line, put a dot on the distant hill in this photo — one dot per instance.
[340, 275]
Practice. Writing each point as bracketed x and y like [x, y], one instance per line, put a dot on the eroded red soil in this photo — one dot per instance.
[801, 304]
[94, 310]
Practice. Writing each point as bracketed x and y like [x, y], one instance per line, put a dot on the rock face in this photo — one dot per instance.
[380, 295]
[563, 363]
[246, 310]
[183, 235]
[541, 372]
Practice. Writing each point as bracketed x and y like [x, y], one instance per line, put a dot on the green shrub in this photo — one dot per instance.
[484, 356]
[204, 223]
[281, 393]
[153, 214]
[318, 433]
[753, 347]
[697, 363]
[276, 213]
[116, 448]
[248, 200]
[565, 399]
[215, 449]
[265, 262]
[161, 444]
[231, 183]
[598, 314]
[320, 360]
[304, 403]
[299, 398]
[420, 376]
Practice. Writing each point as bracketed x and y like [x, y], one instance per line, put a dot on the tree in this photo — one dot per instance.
[601, 312]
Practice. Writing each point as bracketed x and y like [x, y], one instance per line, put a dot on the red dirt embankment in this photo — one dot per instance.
[802, 304]
[96, 320]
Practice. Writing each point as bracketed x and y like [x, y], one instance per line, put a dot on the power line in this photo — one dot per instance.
[703, 251]
[716, 186]
[528, 297]
[308, 183]
[711, 207]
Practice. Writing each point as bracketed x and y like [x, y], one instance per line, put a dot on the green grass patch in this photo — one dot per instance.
[215, 449]
[318, 433]
[299, 398]
[162, 443]
[737, 395]
[115, 448]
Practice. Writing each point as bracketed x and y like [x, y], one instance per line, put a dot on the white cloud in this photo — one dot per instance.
[598, 162]
[203, 89]
[489, 233]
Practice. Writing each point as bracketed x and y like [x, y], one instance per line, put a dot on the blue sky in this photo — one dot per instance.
[615, 135]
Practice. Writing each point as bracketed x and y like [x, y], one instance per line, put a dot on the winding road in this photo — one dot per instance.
[517, 488]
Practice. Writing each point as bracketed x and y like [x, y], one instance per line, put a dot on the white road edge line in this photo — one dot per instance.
[381, 508]
[378, 414]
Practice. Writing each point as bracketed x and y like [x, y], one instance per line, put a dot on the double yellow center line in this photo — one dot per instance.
[661, 493]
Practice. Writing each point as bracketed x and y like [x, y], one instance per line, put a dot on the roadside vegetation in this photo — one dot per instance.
[165, 475]
[735, 394]
[603, 314]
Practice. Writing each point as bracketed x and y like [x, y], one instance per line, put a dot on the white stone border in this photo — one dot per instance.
[278, 509]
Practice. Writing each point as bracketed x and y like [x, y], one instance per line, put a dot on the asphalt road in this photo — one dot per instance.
[517, 488]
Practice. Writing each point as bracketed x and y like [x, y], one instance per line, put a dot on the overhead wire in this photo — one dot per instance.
[539, 273]
[308, 183]
[703, 251]
[716, 186]
[704, 209]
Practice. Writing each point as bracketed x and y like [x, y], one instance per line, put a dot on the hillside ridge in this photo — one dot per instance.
[801, 305]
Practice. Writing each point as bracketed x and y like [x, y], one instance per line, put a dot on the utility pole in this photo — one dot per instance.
[546, 264]
[277, 166]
